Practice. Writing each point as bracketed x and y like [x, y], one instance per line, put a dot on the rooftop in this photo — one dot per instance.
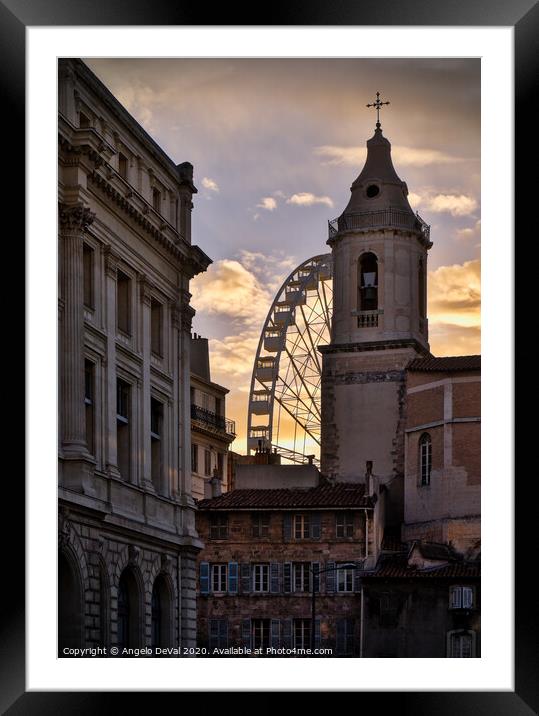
[447, 363]
[341, 495]
[396, 567]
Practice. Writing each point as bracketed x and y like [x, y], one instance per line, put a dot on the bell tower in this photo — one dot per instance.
[379, 248]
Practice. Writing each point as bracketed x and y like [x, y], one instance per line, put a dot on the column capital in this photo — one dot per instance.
[75, 218]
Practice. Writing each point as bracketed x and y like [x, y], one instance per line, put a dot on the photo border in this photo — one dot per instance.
[15, 16]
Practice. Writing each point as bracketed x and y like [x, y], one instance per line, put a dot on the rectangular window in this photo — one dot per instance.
[157, 328]
[218, 634]
[219, 526]
[461, 597]
[345, 579]
[123, 303]
[194, 457]
[207, 462]
[260, 524]
[261, 578]
[219, 577]
[461, 645]
[345, 637]
[344, 526]
[123, 436]
[220, 463]
[261, 633]
[302, 526]
[89, 404]
[88, 275]
[302, 576]
[122, 165]
[156, 422]
[156, 200]
[218, 406]
[302, 633]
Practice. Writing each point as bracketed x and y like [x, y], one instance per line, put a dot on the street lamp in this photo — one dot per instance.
[316, 573]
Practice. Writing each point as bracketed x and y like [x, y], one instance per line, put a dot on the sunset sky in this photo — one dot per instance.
[276, 144]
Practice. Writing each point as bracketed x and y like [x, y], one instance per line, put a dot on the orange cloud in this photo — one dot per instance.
[454, 295]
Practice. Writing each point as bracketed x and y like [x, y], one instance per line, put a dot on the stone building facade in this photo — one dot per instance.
[211, 431]
[442, 495]
[127, 536]
[264, 547]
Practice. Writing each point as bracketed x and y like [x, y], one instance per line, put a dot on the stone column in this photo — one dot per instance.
[77, 464]
[187, 595]
[111, 276]
[74, 220]
[184, 354]
[175, 362]
[146, 442]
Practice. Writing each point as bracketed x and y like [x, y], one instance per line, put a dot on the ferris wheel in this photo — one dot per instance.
[284, 400]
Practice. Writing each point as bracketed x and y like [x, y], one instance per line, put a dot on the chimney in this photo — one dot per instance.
[216, 484]
[369, 481]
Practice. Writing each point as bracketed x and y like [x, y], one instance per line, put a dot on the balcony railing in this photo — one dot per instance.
[212, 420]
[367, 319]
[390, 218]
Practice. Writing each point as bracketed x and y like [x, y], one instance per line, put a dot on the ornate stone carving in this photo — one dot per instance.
[133, 555]
[111, 262]
[64, 529]
[145, 288]
[166, 563]
[75, 217]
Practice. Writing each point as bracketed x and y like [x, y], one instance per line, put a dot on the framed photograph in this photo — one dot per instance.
[149, 529]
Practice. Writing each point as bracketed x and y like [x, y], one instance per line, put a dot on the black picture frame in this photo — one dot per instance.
[523, 16]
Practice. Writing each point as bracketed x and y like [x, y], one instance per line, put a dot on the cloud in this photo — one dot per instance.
[472, 233]
[455, 204]
[403, 156]
[455, 295]
[447, 339]
[305, 198]
[229, 289]
[210, 184]
[268, 203]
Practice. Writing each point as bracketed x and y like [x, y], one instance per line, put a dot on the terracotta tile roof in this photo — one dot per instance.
[397, 568]
[448, 363]
[339, 495]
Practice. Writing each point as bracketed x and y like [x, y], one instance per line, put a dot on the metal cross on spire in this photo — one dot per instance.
[377, 105]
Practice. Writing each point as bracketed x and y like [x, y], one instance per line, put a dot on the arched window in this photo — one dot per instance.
[368, 283]
[70, 633]
[129, 617]
[161, 613]
[425, 458]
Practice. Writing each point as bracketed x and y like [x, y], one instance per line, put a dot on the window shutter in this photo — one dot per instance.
[287, 577]
[315, 525]
[287, 527]
[456, 597]
[315, 576]
[245, 577]
[330, 577]
[214, 633]
[275, 586]
[286, 636]
[317, 633]
[467, 597]
[223, 633]
[233, 577]
[204, 577]
[340, 645]
[357, 580]
[246, 633]
[349, 638]
[275, 633]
